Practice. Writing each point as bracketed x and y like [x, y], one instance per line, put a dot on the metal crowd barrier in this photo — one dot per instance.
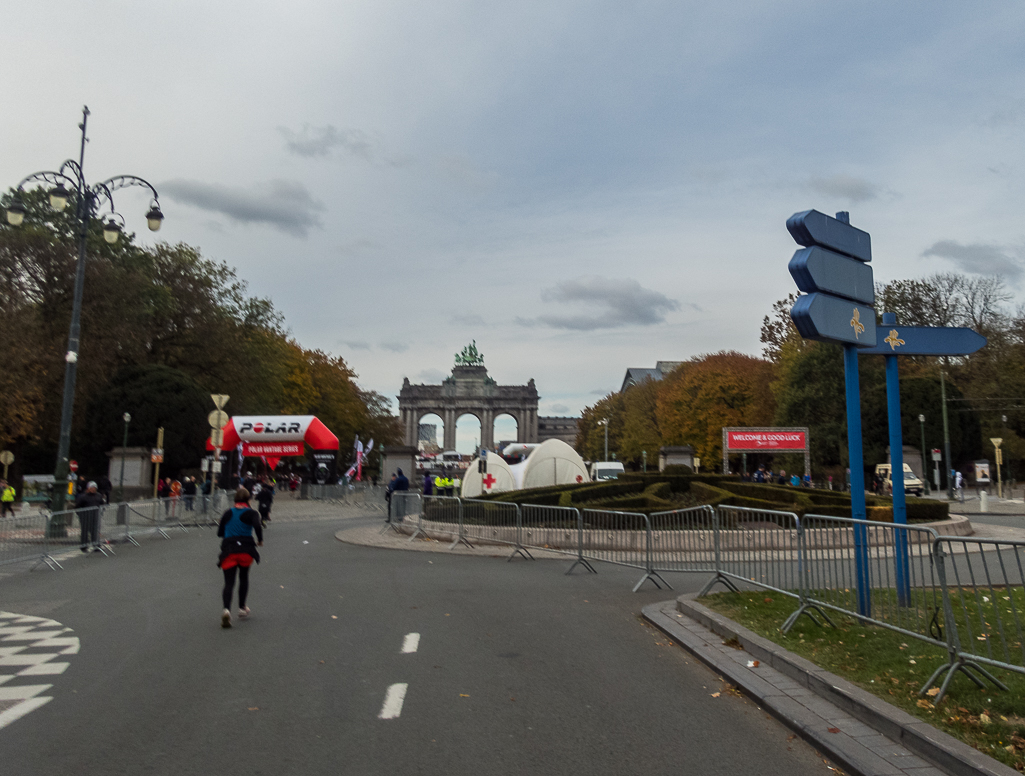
[684, 540]
[445, 516]
[621, 538]
[877, 572]
[747, 545]
[555, 529]
[404, 504]
[984, 605]
[28, 538]
[496, 522]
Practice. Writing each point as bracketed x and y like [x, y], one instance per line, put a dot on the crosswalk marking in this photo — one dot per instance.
[28, 648]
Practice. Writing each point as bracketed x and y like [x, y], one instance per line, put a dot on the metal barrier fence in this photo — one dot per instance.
[684, 540]
[492, 521]
[747, 544]
[984, 602]
[27, 538]
[878, 572]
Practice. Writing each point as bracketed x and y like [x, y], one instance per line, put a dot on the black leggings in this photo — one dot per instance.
[229, 585]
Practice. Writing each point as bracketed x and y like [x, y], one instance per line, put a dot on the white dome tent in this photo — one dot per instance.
[498, 479]
[552, 462]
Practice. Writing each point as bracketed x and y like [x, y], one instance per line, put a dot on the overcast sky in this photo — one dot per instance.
[580, 187]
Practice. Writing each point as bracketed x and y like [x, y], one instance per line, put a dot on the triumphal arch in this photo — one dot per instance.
[469, 391]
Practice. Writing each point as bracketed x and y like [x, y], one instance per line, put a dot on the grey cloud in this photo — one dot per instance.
[312, 142]
[469, 320]
[845, 187]
[560, 409]
[981, 259]
[620, 302]
[431, 376]
[357, 345]
[284, 205]
[395, 347]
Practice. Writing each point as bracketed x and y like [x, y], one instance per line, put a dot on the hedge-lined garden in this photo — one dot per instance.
[635, 492]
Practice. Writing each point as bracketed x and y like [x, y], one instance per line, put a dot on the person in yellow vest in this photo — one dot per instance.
[6, 499]
[439, 485]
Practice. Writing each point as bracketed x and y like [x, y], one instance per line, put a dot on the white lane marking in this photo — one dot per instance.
[393, 699]
[411, 642]
[20, 710]
[26, 660]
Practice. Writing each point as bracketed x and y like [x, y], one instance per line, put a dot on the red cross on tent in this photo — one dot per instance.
[489, 480]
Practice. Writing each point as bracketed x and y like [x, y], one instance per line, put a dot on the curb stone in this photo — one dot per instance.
[875, 737]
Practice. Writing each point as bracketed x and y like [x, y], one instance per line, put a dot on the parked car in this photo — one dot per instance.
[606, 470]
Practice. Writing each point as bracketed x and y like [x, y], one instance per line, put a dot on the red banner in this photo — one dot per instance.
[272, 448]
[765, 440]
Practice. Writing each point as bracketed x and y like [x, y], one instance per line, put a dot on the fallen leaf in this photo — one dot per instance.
[791, 737]
[933, 691]
[334, 616]
[924, 704]
[768, 600]
[833, 730]
[254, 708]
[912, 662]
[463, 695]
[716, 694]
[984, 719]
[752, 664]
[305, 542]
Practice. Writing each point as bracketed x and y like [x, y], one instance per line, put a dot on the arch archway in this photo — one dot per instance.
[468, 390]
[430, 433]
[505, 428]
[468, 432]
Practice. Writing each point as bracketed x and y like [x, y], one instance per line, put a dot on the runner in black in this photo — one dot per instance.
[238, 551]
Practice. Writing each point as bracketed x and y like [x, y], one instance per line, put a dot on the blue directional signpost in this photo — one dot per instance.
[896, 341]
[833, 271]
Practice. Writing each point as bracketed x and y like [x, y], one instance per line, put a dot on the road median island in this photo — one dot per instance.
[875, 675]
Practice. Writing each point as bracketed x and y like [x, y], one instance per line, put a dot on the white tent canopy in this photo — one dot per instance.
[552, 462]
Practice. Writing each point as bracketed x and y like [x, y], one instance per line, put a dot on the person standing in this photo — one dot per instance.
[265, 498]
[88, 506]
[238, 551]
[6, 499]
[189, 489]
[959, 486]
[428, 484]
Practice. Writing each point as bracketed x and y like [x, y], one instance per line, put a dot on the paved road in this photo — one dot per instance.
[519, 669]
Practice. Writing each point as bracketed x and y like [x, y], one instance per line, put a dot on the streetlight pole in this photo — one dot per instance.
[67, 182]
[605, 422]
[946, 436]
[124, 448]
[925, 468]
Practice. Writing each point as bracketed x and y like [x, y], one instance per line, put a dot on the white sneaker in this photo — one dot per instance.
[226, 619]
[243, 612]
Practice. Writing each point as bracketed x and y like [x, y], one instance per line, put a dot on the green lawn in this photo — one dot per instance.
[894, 667]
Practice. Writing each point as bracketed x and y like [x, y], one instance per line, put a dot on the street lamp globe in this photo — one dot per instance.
[111, 231]
[154, 218]
[126, 417]
[59, 197]
[15, 213]
[921, 418]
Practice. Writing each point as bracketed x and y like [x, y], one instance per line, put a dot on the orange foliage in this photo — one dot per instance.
[707, 393]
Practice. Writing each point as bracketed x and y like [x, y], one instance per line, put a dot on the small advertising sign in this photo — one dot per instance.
[982, 472]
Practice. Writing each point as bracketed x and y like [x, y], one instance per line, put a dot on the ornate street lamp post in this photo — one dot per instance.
[127, 418]
[68, 183]
[925, 466]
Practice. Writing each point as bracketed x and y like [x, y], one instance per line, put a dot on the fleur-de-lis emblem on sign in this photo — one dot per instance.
[856, 324]
[893, 340]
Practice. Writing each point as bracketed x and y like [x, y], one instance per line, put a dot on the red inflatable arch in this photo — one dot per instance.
[276, 436]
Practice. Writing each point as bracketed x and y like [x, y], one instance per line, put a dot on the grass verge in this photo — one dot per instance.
[893, 667]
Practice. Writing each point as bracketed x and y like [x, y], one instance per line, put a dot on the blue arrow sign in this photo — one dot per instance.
[924, 341]
[818, 269]
[814, 228]
[830, 318]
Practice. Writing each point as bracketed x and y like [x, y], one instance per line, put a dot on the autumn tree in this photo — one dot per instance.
[709, 393]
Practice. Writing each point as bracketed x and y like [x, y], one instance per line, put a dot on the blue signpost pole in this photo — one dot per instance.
[900, 512]
[850, 365]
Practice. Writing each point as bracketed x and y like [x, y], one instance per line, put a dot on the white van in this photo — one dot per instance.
[606, 470]
[912, 484]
